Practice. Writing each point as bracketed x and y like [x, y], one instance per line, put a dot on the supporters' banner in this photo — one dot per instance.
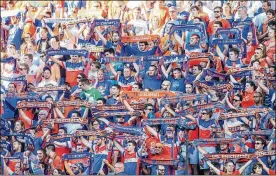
[124, 129]
[252, 112]
[195, 58]
[140, 38]
[110, 114]
[19, 81]
[183, 98]
[35, 166]
[144, 94]
[246, 26]
[75, 158]
[110, 24]
[8, 66]
[182, 123]
[59, 20]
[71, 120]
[67, 52]
[226, 31]
[227, 41]
[34, 104]
[9, 13]
[46, 89]
[215, 87]
[258, 154]
[258, 133]
[198, 142]
[160, 162]
[197, 108]
[73, 103]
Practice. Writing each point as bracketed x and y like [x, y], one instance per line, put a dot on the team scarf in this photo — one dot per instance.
[267, 78]
[251, 112]
[247, 23]
[34, 104]
[124, 129]
[73, 103]
[107, 22]
[93, 48]
[198, 142]
[71, 120]
[110, 114]
[76, 156]
[18, 134]
[258, 133]
[128, 137]
[231, 129]
[258, 154]
[118, 107]
[67, 52]
[9, 13]
[102, 133]
[66, 20]
[182, 123]
[46, 89]
[172, 162]
[11, 79]
[213, 73]
[183, 98]
[256, 110]
[198, 108]
[140, 38]
[27, 95]
[232, 71]
[215, 87]
[197, 27]
[124, 95]
[228, 31]
[227, 41]
[34, 163]
[58, 137]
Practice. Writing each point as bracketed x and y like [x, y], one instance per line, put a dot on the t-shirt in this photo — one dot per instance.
[90, 95]
[236, 172]
[104, 87]
[177, 84]
[205, 129]
[72, 72]
[152, 82]
[15, 34]
[132, 163]
[100, 154]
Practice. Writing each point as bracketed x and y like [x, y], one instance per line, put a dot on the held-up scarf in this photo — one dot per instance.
[93, 48]
[213, 73]
[66, 20]
[34, 104]
[268, 78]
[183, 98]
[28, 95]
[232, 71]
[197, 27]
[102, 133]
[227, 41]
[118, 107]
[110, 114]
[130, 130]
[76, 156]
[18, 134]
[124, 95]
[232, 31]
[197, 108]
[182, 123]
[73, 103]
[20, 78]
[160, 162]
[252, 112]
[34, 163]
[258, 154]
[67, 52]
[109, 22]
[198, 142]
[71, 120]
[231, 129]
[215, 87]
[140, 38]
[46, 89]
[259, 133]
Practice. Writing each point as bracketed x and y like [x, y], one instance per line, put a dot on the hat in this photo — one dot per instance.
[172, 8]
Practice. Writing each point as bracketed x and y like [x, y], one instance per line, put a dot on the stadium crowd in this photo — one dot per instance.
[138, 88]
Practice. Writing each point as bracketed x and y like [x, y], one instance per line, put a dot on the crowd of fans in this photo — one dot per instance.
[79, 81]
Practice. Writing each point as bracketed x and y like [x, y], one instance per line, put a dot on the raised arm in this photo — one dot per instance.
[179, 40]
[86, 142]
[55, 59]
[104, 121]
[152, 131]
[96, 29]
[59, 113]
[24, 116]
[136, 67]
[164, 71]
[217, 171]
[68, 169]
[220, 54]
[245, 166]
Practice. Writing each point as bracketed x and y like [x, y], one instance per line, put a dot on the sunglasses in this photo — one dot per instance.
[258, 143]
[203, 113]
[150, 109]
[216, 11]
[42, 56]
[235, 100]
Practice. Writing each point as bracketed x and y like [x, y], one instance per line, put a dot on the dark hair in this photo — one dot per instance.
[132, 142]
[30, 56]
[51, 147]
[255, 167]
[251, 83]
[44, 28]
[47, 68]
[102, 99]
[218, 7]
[198, 66]
[82, 75]
[76, 112]
[219, 23]
[194, 7]
[117, 86]
[55, 37]
[268, 3]
[239, 95]
[147, 105]
[97, 64]
[139, 85]
[270, 11]
[235, 50]
[63, 128]
[85, 81]
[260, 139]
[110, 50]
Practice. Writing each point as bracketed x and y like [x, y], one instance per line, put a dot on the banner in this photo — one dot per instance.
[35, 166]
[93, 48]
[28, 95]
[140, 38]
[229, 31]
[197, 27]
[215, 87]
[75, 158]
[258, 133]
